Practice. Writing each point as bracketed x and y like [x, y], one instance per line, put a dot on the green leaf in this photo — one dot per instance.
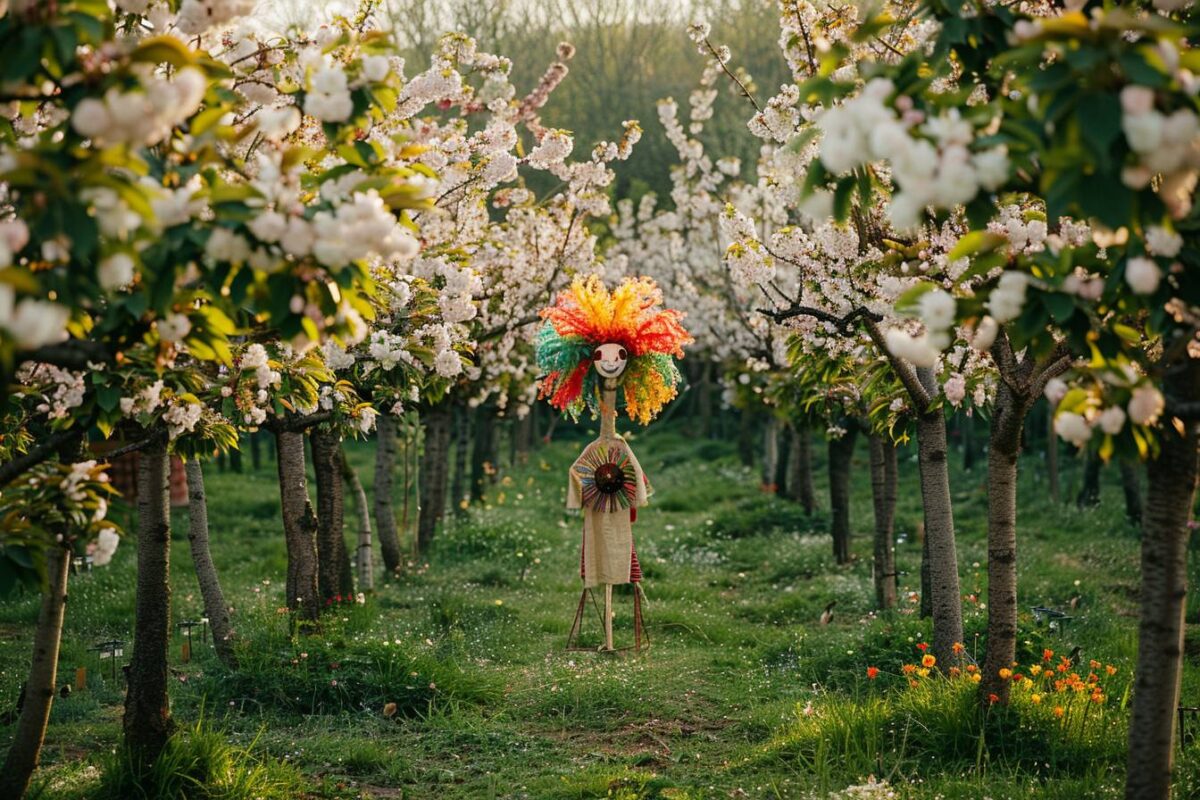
[1061, 306]
[163, 49]
[908, 301]
[108, 397]
[976, 243]
[1100, 120]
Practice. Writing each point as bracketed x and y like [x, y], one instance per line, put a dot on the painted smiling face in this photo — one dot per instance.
[610, 360]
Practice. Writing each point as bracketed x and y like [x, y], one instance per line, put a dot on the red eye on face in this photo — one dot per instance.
[597, 356]
[621, 354]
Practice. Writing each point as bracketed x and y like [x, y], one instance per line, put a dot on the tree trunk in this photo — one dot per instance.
[299, 526]
[40, 687]
[939, 528]
[364, 558]
[458, 491]
[215, 607]
[385, 515]
[745, 440]
[1052, 482]
[926, 605]
[800, 476]
[433, 477]
[524, 437]
[704, 400]
[334, 578]
[883, 493]
[482, 451]
[1171, 494]
[1089, 493]
[966, 427]
[255, 451]
[841, 453]
[147, 721]
[1004, 447]
[783, 460]
[770, 462]
[1132, 485]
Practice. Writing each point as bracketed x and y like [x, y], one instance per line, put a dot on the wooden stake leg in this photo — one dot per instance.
[608, 617]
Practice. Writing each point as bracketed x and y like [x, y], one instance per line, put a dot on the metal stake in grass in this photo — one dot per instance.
[187, 626]
[110, 650]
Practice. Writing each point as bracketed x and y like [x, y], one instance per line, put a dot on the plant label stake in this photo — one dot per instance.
[592, 344]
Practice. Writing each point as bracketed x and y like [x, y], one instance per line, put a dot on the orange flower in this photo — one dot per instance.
[1110, 669]
[1094, 664]
[1005, 673]
[928, 660]
[958, 648]
[909, 669]
[1036, 699]
[1035, 670]
[955, 672]
[971, 668]
[922, 646]
[1047, 655]
[872, 673]
[976, 677]
[1059, 711]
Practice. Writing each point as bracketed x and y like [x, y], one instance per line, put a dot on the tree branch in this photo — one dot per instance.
[48, 447]
[75, 354]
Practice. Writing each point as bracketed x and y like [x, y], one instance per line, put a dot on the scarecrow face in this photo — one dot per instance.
[610, 360]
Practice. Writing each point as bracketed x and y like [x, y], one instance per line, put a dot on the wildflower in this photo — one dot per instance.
[333, 682]
[1035, 670]
[1110, 669]
[958, 648]
[389, 709]
[923, 672]
[1036, 699]
[913, 683]
[972, 668]
[872, 673]
[955, 672]
[1026, 684]
[928, 660]
[922, 646]
[1059, 711]
[1005, 673]
[976, 677]
[1094, 664]
[993, 699]
[1047, 655]
[909, 669]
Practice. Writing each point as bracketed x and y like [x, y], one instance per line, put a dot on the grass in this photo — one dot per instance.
[453, 682]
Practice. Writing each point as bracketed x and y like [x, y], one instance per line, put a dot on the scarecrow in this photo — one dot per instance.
[592, 344]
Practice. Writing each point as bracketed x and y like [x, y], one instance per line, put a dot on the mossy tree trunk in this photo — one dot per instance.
[1023, 379]
[770, 459]
[1169, 502]
[215, 607]
[299, 526]
[40, 687]
[334, 578]
[841, 455]
[883, 495]
[800, 473]
[461, 436]
[385, 514]
[364, 556]
[1089, 493]
[932, 461]
[147, 724]
[1131, 484]
[433, 473]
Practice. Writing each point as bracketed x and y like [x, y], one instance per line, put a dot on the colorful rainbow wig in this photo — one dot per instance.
[586, 316]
